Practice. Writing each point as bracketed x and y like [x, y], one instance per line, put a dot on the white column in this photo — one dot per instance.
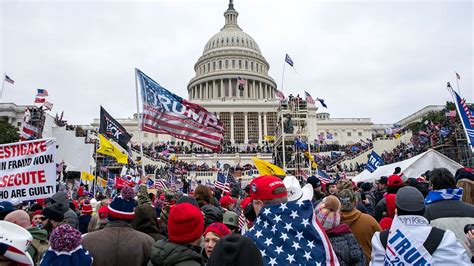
[199, 91]
[222, 88]
[265, 124]
[253, 91]
[214, 89]
[259, 127]
[260, 91]
[230, 88]
[232, 128]
[246, 128]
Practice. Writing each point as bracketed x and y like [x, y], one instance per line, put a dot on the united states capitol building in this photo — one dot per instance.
[249, 112]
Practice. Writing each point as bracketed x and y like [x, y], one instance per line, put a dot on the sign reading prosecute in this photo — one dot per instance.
[27, 170]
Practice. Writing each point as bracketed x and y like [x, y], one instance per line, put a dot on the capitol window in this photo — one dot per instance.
[240, 64]
[214, 65]
[226, 63]
[246, 65]
[220, 64]
[349, 134]
[360, 134]
[233, 63]
[251, 66]
[208, 67]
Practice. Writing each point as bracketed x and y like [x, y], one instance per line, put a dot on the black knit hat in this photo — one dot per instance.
[235, 250]
[54, 212]
[187, 199]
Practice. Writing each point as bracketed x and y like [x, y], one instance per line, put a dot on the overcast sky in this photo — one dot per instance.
[365, 58]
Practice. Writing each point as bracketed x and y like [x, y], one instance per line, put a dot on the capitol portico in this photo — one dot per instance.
[249, 112]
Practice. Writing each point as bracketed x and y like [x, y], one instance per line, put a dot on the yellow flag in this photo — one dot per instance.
[397, 136]
[314, 165]
[102, 182]
[86, 176]
[109, 149]
[309, 156]
[268, 138]
[266, 168]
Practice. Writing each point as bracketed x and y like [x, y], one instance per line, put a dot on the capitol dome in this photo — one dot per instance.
[228, 55]
[232, 81]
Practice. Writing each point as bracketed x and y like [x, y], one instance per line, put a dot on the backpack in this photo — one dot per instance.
[40, 247]
[431, 243]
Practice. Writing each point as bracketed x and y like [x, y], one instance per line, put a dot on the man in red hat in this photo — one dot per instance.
[267, 190]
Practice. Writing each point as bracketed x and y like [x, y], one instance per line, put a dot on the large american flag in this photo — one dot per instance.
[161, 184]
[467, 118]
[166, 113]
[287, 234]
[323, 177]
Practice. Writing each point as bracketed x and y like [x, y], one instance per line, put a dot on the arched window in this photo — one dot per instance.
[240, 64]
[246, 64]
[226, 63]
[214, 65]
[233, 63]
[220, 64]
[251, 66]
[208, 67]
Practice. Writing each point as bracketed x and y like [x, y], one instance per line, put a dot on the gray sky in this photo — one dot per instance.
[365, 58]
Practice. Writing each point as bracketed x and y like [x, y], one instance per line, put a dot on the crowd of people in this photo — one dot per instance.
[205, 226]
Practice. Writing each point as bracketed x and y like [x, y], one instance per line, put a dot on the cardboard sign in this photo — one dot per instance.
[27, 170]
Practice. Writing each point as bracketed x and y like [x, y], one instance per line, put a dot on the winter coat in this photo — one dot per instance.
[344, 244]
[449, 251]
[39, 244]
[146, 221]
[212, 214]
[70, 217]
[118, 244]
[452, 215]
[166, 253]
[363, 226]
[84, 221]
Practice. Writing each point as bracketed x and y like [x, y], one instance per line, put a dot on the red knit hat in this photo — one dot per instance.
[395, 181]
[263, 187]
[185, 223]
[37, 212]
[103, 212]
[219, 229]
[226, 201]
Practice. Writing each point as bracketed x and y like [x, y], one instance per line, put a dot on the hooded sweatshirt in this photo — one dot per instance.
[146, 221]
[70, 216]
[39, 244]
[363, 226]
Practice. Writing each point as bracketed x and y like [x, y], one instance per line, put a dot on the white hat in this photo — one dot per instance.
[295, 192]
[14, 241]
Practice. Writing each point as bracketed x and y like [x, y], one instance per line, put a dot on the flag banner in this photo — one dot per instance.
[241, 82]
[467, 118]
[27, 170]
[8, 79]
[444, 132]
[221, 182]
[287, 234]
[309, 99]
[87, 176]
[451, 113]
[288, 60]
[301, 144]
[269, 138]
[329, 135]
[42, 93]
[112, 129]
[374, 162]
[109, 149]
[322, 102]
[280, 95]
[266, 168]
[40, 100]
[403, 248]
[48, 106]
[166, 112]
[324, 177]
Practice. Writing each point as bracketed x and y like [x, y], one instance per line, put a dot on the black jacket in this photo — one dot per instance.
[346, 247]
[448, 208]
[165, 253]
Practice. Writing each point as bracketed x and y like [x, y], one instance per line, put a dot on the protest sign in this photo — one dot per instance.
[374, 162]
[403, 248]
[27, 170]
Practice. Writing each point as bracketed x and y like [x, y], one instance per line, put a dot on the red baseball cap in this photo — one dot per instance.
[226, 201]
[263, 188]
[245, 202]
[395, 181]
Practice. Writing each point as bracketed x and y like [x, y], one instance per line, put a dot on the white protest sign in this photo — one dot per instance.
[403, 248]
[27, 170]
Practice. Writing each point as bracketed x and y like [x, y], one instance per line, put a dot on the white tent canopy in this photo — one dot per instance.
[413, 167]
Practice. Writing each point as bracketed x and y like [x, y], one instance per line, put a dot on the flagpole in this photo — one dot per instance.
[3, 85]
[283, 75]
[457, 81]
[139, 118]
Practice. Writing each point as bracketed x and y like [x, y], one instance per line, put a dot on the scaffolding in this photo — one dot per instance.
[292, 124]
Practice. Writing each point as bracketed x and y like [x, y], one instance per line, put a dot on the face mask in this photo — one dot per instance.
[249, 212]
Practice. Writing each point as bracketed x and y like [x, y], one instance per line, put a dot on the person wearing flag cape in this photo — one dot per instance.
[412, 241]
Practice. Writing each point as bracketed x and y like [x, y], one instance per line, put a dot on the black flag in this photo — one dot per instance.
[112, 129]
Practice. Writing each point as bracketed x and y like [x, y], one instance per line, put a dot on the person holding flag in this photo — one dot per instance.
[286, 232]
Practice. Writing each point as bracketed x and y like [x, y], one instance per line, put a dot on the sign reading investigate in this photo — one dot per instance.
[27, 170]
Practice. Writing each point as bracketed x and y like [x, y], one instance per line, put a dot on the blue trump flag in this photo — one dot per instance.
[374, 161]
[287, 234]
[301, 144]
